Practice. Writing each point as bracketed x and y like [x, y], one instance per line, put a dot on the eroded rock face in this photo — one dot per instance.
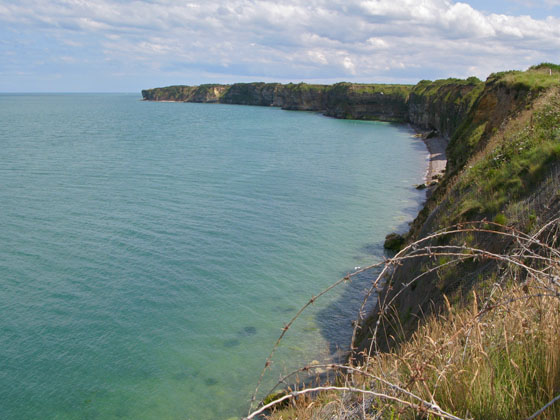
[261, 94]
[342, 100]
[439, 105]
[301, 97]
[360, 102]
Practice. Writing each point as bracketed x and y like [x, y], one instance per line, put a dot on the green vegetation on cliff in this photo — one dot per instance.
[519, 160]
[503, 166]
[341, 100]
[443, 104]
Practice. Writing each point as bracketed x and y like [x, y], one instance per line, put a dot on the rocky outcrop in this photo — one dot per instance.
[394, 242]
[442, 105]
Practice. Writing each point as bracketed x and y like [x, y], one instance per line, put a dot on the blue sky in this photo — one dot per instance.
[128, 45]
[537, 9]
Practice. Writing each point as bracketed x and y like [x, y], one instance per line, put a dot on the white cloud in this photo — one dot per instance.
[462, 19]
[293, 39]
[318, 57]
[377, 43]
[349, 65]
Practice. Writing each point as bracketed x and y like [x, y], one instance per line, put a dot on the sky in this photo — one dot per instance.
[129, 45]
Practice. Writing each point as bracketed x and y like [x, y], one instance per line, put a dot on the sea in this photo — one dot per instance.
[151, 253]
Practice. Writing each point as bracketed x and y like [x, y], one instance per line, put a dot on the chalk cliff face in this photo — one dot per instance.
[342, 100]
[202, 93]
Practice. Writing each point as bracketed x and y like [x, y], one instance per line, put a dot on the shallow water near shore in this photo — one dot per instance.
[150, 253]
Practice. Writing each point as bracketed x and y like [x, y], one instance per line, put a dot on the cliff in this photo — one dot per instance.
[342, 100]
[438, 105]
[500, 156]
[503, 167]
[442, 105]
[203, 93]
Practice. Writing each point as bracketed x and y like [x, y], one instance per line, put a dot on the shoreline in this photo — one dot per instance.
[437, 158]
[436, 145]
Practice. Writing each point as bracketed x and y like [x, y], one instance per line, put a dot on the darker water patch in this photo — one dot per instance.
[185, 375]
[231, 343]
[335, 321]
[122, 413]
[211, 381]
[247, 331]
[370, 249]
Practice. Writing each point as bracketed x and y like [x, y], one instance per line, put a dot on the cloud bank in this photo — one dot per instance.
[148, 42]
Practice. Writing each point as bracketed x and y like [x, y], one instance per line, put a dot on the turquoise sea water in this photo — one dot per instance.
[150, 253]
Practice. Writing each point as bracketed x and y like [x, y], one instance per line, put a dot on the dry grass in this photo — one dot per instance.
[502, 362]
[496, 355]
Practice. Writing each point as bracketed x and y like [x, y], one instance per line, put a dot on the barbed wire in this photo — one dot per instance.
[535, 255]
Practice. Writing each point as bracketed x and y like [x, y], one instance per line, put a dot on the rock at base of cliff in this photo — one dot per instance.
[432, 134]
[394, 242]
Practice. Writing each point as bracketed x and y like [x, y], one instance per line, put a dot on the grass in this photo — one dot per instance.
[503, 92]
[401, 91]
[537, 78]
[305, 87]
[464, 141]
[428, 87]
[516, 164]
[505, 365]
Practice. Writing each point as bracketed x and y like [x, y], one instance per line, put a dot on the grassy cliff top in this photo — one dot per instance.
[540, 77]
